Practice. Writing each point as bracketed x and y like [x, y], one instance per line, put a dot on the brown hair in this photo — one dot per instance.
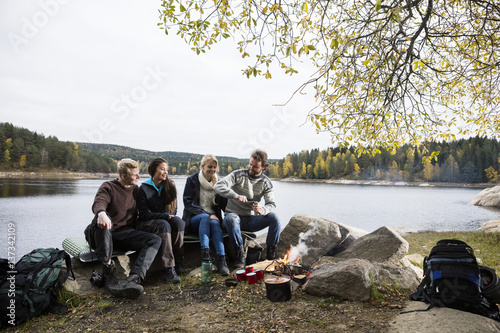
[261, 156]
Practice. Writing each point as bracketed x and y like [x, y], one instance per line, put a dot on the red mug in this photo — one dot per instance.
[252, 278]
[249, 269]
[241, 275]
[260, 274]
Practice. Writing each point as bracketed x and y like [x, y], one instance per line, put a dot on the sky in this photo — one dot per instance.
[103, 72]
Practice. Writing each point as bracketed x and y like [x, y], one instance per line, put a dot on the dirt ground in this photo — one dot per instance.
[195, 307]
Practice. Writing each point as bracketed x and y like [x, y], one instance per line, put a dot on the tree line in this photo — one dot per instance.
[180, 163]
[472, 160]
[23, 149]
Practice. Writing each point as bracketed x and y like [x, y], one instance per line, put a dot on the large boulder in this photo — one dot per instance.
[383, 245]
[489, 197]
[354, 279]
[308, 238]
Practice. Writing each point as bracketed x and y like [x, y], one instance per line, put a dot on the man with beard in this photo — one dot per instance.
[244, 190]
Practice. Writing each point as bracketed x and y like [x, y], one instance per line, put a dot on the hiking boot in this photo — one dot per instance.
[240, 257]
[205, 255]
[171, 275]
[271, 253]
[130, 288]
[125, 289]
[222, 266]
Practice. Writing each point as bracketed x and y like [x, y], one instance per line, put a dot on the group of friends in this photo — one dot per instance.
[143, 218]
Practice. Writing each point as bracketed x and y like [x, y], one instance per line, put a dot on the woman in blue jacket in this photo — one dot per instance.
[157, 205]
[201, 212]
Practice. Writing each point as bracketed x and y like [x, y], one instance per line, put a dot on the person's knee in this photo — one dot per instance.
[273, 219]
[231, 219]
[180, 225]
[214, 224]
[162, 227]
[154, 241]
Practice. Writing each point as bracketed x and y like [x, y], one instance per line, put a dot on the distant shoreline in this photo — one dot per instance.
[385, 183]
[55, 175]
[98, 175]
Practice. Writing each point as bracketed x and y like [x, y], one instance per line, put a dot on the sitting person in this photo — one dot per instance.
[157, 204]
[115, 214]
[244, 189]
[202, 215]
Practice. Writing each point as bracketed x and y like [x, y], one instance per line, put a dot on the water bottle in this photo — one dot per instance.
[206, 272]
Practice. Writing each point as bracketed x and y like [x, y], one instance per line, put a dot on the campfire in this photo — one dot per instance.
[290, 265]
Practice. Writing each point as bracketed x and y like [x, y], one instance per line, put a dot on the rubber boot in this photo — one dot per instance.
[222, 266]
[271, 253]
[240, 257]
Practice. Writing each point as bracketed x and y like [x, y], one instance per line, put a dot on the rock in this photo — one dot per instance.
[489, 197]
[383, 245]
[349, 279]
[83, 271]
[491, 226]
[310, 237]
[438, 320]
[353, 278]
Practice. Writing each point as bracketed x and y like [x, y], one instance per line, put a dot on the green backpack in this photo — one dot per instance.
[29, 288]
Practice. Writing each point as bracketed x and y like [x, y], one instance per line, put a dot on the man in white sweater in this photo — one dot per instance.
[244, 190]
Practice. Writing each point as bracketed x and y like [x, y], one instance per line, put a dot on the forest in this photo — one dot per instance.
[473, 160]
[22, 149]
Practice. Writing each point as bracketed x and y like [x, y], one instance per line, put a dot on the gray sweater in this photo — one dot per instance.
[240, 182]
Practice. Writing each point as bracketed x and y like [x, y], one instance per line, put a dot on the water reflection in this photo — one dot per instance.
[36, 187]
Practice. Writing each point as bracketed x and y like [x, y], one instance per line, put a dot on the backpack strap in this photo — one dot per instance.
[69, 269]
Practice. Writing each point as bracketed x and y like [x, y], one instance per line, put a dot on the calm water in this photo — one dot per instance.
[44, 212]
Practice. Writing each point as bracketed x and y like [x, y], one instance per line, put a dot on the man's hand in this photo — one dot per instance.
[241, 198]
[257, 209]
[103, 221]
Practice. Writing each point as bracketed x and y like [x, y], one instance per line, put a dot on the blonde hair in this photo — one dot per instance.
[207, 158]
[124, 165]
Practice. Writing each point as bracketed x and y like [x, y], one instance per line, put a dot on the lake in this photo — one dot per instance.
[41, 212]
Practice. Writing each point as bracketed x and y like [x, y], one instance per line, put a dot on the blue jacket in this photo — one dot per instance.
[191, 198]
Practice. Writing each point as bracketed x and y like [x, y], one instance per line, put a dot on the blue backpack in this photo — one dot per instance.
[452, 279]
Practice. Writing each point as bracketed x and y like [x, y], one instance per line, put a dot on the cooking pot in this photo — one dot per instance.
[278, 288]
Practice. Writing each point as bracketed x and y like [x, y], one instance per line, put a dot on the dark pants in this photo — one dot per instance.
[125, 239]
[171, 233]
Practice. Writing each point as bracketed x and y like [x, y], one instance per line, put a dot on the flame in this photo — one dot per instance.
[286, 259]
